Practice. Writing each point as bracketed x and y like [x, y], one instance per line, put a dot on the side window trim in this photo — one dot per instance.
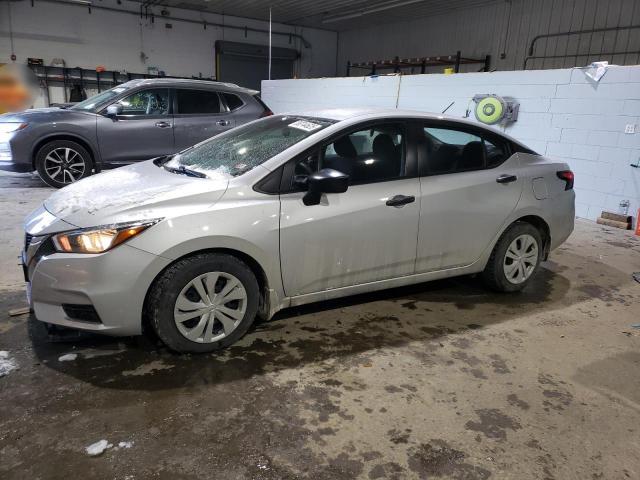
[497, 141]
[223, 101]
[176, 110]
[288, 170]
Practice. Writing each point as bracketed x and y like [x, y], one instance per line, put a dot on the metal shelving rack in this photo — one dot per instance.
[397, 64]
[68, 77]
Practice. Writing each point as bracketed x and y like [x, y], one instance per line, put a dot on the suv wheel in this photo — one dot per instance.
[515, 258]
[62, 162]
[203, 303]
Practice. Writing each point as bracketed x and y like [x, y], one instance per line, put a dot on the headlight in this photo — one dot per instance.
[99, 239]
[8, 127]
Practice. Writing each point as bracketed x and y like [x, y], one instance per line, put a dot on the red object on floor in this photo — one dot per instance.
[638, 223]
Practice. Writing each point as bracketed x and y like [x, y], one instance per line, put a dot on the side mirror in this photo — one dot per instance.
[326, 180]
[114, 110]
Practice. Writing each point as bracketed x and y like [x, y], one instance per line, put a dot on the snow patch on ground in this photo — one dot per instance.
[7, 364]
[69, 357]
[98, 448]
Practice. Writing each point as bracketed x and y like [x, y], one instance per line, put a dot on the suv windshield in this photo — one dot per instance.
[92, 102]
[241, 149]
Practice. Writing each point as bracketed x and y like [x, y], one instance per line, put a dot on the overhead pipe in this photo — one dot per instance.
[577, 32]
[206, 23]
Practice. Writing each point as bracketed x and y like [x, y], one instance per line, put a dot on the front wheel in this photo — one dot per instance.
[515, 258]
[203, 303]
[62, 162]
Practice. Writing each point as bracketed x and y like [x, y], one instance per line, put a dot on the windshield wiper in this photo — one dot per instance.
[182, 170]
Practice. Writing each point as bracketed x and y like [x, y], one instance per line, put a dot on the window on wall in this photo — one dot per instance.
[197, 102]
[146, 102]
[372, 154]
[449, 151]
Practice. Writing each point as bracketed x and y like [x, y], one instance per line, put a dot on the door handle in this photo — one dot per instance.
[163, 124]
[400, 200]
[506, 178]
[223, 123]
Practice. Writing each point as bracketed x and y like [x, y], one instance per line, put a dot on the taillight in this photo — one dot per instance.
[266, 113]
[568, 177]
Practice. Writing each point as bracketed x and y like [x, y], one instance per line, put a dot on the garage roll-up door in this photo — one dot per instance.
[247, 64]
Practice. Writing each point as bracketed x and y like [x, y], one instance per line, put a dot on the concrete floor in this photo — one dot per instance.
[441, 380]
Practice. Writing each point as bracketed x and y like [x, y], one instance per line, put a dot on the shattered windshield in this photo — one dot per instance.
[241, 149]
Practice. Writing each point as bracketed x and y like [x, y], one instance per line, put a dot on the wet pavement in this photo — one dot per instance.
[439, 380]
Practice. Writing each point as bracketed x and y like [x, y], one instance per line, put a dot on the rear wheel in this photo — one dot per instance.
[203, 303]
[62, 162]
[515, 258]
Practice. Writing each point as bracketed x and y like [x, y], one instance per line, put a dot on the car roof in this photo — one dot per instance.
[367, 113]
[188, 82]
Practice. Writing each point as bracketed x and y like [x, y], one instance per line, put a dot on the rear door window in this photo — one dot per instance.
[197, 102]
[496, 152]
[449, 150]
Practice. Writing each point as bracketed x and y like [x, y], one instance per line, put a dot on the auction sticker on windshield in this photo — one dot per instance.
[305, 125]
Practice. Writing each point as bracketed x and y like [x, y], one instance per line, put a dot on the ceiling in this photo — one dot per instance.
[338, 15]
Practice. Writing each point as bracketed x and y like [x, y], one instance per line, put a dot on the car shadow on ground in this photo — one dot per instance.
[22, 180]
[345, 329]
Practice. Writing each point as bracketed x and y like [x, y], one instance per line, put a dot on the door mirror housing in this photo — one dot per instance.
[114, 110]
[326, 180]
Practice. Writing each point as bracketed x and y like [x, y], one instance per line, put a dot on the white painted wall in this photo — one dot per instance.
[562, 115]
[115, 40]
[503, 27]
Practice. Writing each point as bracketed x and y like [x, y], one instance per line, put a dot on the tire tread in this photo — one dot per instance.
[493, 275]
[163, 285]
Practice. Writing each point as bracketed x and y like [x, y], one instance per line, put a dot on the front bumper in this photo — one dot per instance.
[114, 284]
[11, 159]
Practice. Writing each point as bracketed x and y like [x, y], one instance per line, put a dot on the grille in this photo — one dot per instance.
[84, 313]
[27, 241]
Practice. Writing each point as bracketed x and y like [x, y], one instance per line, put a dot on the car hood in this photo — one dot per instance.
[50, 114]
[138, 192]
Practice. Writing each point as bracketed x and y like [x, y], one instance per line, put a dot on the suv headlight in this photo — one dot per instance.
[99, 239]
[8, 127]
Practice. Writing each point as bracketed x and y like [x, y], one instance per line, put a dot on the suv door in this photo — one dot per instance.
[143, 130]
[463, 205]
[198, 115]
[366, 234]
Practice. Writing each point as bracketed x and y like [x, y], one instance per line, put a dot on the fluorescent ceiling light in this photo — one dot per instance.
[380, 7]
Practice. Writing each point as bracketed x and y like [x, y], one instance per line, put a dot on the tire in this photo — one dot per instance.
[74, 160]
[176, 307]
[498, 275]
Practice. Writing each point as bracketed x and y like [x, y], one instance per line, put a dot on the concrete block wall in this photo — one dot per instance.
[563, 114]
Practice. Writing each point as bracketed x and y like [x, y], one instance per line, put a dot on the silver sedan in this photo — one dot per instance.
[288, 210]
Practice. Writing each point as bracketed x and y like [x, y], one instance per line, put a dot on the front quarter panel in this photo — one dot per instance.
[242, 220]
[49, 126]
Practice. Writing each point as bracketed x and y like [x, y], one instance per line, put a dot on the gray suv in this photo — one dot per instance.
[135, 121]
